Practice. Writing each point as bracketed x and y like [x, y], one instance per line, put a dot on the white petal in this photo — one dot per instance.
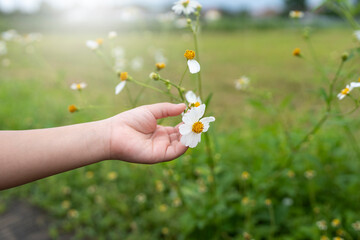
[198, 112]
[340, 96]
[195, 139]
[120, 87]
[206, 121]
[194, 66]
[191, 139]
[190, 118]
[354, 85]
[92, 44]
[191, 97]
[83, 85]
[185, 129]
[73, 86]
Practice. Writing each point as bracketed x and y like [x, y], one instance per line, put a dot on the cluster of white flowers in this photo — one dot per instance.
[194, 124]
[346, 91]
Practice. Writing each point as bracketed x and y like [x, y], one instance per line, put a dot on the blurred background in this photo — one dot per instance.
[260, 194]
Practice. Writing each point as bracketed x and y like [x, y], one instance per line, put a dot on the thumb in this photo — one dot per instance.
[163, 110]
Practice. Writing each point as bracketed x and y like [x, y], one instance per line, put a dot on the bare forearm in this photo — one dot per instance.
[26, 156]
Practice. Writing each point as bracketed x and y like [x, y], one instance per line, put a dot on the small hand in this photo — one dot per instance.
[136, 136]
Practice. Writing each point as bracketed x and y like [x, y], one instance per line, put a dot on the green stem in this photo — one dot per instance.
[140, 93]
[272, 220]
[320, 123]
[182, 77]
[155, 89]
[129, 95]
[181, 94]
[210, 159]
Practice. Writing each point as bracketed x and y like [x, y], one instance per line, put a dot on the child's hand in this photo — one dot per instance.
[136, 137]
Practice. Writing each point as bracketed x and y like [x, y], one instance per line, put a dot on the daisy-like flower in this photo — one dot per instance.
[335, 222]
[192, 99]
[346, 91]
[296, 14]
[356, 226]
[93, 45]
[10, 35]
[242, 83]
[321, 225]
[194, 66]
[112, 35]
[160, 66]
[123, 77]
[137, 63]
[245, 175]
[310, 174]
[78, 86]
[193, 126]
[185, 6]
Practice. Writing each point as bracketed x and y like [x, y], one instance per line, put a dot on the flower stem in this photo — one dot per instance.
[322, 120]
[181, 94]
[155, 89]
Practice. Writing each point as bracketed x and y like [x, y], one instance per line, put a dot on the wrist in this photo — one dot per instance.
[103, 139]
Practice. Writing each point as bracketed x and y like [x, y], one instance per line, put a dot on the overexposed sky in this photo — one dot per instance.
[33, 5]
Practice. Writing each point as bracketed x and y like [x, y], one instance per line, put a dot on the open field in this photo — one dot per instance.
[252, 133]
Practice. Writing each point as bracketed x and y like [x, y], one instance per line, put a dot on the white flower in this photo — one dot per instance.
[3, 48]
[159, 56]
[123, 77]
[185, 6]
[112, 35]
[357, 34]
[194, 66]
[10, 35]
[78, 86]
[193, 100]
[296, 14]
[118, 53]
[34, 37]
[193, 126]
[93, 45]
[322, 225]
[348, 89]
[137, 63]
[242, 83]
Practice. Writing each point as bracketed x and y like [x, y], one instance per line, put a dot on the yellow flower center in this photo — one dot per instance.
[123, 76]
[296, 52]
[78, 86]
[197, 104]
[160, 66]
[345, 91]
[72, 108]
[359, 79]
[100, 41]
[186, 3]
[189, 54]
[198, 127]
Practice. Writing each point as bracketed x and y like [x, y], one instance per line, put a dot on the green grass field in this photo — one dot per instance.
[252, 133]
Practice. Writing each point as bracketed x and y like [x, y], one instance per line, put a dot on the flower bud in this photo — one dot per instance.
[345, 56]
[154, 76]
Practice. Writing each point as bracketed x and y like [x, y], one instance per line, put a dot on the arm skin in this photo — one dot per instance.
[131, 136]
